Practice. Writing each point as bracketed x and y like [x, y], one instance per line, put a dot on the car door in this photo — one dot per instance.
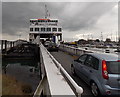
[79, 65]
[90, 68]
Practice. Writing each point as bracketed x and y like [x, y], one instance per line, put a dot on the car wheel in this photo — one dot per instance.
[73, 70]
[94, 89]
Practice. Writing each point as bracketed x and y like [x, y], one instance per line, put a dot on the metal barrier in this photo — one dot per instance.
[73, 50]
[78, 89]
[39, 90]
[53, 82]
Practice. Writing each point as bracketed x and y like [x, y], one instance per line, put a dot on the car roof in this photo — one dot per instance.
[105, 56]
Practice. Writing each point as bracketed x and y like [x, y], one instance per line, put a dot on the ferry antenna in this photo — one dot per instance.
[101, 36]
[46, 12]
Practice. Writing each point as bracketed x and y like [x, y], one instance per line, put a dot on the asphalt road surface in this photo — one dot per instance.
[65, 59]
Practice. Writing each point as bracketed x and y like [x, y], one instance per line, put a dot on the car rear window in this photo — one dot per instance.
[113, 67]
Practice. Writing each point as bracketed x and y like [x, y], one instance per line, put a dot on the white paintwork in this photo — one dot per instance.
[48, 24]
[79, 89]
[38, 32]
[37, 40]
[57, 83]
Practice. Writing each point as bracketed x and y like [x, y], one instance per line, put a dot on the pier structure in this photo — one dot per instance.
[6, 45]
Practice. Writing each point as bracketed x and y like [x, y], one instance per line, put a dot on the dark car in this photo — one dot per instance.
[52, 47]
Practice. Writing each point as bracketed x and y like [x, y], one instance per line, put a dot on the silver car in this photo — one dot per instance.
[99, 70]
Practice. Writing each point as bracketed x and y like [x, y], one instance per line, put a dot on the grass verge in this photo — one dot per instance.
[10, 86]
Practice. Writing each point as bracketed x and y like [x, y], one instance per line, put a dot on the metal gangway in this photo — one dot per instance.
[54, 79]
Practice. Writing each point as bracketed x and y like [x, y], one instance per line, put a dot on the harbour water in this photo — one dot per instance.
[24, 71]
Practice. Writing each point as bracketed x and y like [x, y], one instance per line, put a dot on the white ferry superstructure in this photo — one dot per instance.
[45, 28]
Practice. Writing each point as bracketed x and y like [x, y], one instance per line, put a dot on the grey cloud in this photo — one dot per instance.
[73, 16]
[88, 16]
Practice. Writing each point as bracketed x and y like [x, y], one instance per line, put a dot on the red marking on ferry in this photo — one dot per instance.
[43, 19]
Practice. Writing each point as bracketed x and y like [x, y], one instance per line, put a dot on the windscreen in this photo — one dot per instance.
[113, 67]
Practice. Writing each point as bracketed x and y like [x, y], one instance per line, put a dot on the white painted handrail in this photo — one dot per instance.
[56, 84]
[78, 89]
[40, 87]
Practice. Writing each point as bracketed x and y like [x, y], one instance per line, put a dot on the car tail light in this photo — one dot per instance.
[118, 60]
[104, 70]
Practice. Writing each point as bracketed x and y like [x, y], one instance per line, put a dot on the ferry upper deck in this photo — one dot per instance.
[45, 28]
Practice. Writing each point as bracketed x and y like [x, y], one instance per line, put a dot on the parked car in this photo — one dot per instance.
[99, 70]
[52, 47]
[46, 43]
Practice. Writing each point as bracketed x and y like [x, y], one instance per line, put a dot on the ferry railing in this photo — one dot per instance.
[73, 50]
[53, 79]
[79, 90]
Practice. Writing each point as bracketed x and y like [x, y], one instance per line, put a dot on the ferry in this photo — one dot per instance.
[46, 28]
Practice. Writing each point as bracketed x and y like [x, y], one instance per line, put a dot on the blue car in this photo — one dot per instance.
[99, 70]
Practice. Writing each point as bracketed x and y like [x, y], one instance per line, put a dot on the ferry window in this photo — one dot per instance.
[54, 29]
[48, 29]
[31, 29]
[59, 29]
[39, 29]
[43, 29]
[36, 29]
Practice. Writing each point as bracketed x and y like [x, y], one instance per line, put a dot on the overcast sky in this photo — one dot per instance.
[78, 19]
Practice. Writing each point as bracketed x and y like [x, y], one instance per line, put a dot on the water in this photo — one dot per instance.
[25, 71]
